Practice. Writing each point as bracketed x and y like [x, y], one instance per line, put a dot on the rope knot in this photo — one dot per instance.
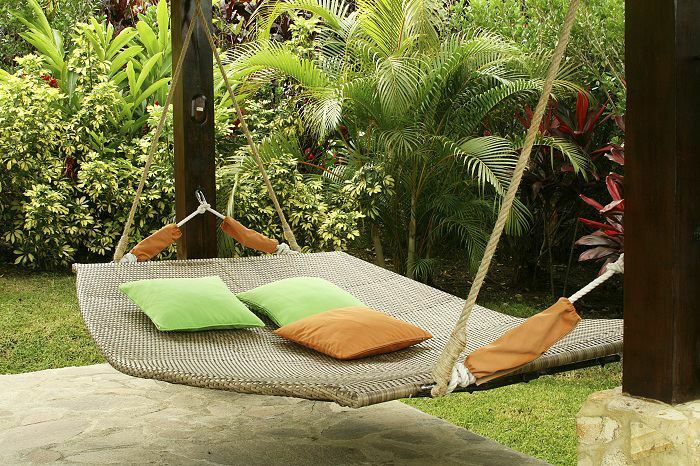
[203, 208]
[460, 377]
[618, 266]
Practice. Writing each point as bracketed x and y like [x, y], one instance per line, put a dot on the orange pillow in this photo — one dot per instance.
[352, 333]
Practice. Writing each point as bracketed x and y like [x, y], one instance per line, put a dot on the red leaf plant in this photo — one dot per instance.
[607, 242]
[548, 177]
[580, 126]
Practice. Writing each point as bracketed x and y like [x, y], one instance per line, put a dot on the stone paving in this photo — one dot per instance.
[95, 415]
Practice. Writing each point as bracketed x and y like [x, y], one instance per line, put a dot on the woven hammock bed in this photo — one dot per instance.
[257, 361]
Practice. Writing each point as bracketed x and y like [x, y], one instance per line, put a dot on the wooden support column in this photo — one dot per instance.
[662, 190]
[193, 111]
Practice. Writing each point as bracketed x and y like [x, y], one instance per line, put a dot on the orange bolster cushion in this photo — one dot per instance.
[353, 332]
[523, 343]
[247, 237]
[154, 244]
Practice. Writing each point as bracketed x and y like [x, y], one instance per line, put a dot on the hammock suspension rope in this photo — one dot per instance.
[444, 368]
[203, 208]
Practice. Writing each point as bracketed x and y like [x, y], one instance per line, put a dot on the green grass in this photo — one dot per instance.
[41, 328]
[40, 325]
[536, 418]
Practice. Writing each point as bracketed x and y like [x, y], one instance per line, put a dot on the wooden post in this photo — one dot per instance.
[193, 112]
[662, 190]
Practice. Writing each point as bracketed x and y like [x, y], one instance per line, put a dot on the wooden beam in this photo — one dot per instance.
[662, 190]
[193, 112]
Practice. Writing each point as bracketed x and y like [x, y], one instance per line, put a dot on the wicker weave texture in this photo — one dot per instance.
[258, 361]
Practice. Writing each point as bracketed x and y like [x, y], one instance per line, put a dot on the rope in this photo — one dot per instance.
[287, 230]
[124, 240]
[462, 377]
[203, 207]
[458, 339]
[611, 269]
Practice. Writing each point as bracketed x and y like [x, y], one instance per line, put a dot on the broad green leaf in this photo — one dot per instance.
[163, 19]
[147, 37]
[42, 21]
[146, 70]
[153, 88]
[131, 74]
[119, 77]
[119, 42]
[123, 58]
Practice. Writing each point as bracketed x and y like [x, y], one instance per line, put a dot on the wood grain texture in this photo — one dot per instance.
[194, 140]
[662, 190]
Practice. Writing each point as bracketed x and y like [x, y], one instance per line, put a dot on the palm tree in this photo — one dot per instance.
[410, 96]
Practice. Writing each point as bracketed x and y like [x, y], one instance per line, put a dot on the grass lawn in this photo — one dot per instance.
[536, 418]
[40, 325]
[41, 328]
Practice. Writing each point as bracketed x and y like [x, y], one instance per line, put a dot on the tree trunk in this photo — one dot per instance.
[550, 260]
[571, 255]
[411, 256]
[378, 249]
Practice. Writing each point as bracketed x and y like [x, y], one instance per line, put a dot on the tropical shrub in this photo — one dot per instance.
[75, 129]
[607, 242]
[321, 219]
[401, 91]
[137, 60]
[69, 183]
[68, 180]
[370, 187]
[597, 46]
[552, 182]
[69, 177]
[64, 15]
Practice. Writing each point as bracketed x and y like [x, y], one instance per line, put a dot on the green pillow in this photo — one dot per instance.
[286, 301]
[190, 304]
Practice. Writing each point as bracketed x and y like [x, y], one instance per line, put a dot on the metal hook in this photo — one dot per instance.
[200, 196]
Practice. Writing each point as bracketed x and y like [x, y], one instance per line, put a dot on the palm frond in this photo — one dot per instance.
[322, 109]
[334, 13]
[423, 268]
[381, 25]
[484, 102]
[398, 81]
[423, 20]
[519, 218]
[286, 62]
[489, 159]
[579, 160]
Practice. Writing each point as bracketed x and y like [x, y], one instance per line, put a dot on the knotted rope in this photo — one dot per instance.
[611, 269]
[442, 372]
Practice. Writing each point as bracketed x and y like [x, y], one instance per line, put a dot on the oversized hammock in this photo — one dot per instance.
[257, 361]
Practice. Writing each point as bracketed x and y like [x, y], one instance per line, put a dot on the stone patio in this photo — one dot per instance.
[95, 415]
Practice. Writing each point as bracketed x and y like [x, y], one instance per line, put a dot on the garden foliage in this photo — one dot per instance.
[76, 124]
[596, 49]
[393, 122]
[401, 91]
